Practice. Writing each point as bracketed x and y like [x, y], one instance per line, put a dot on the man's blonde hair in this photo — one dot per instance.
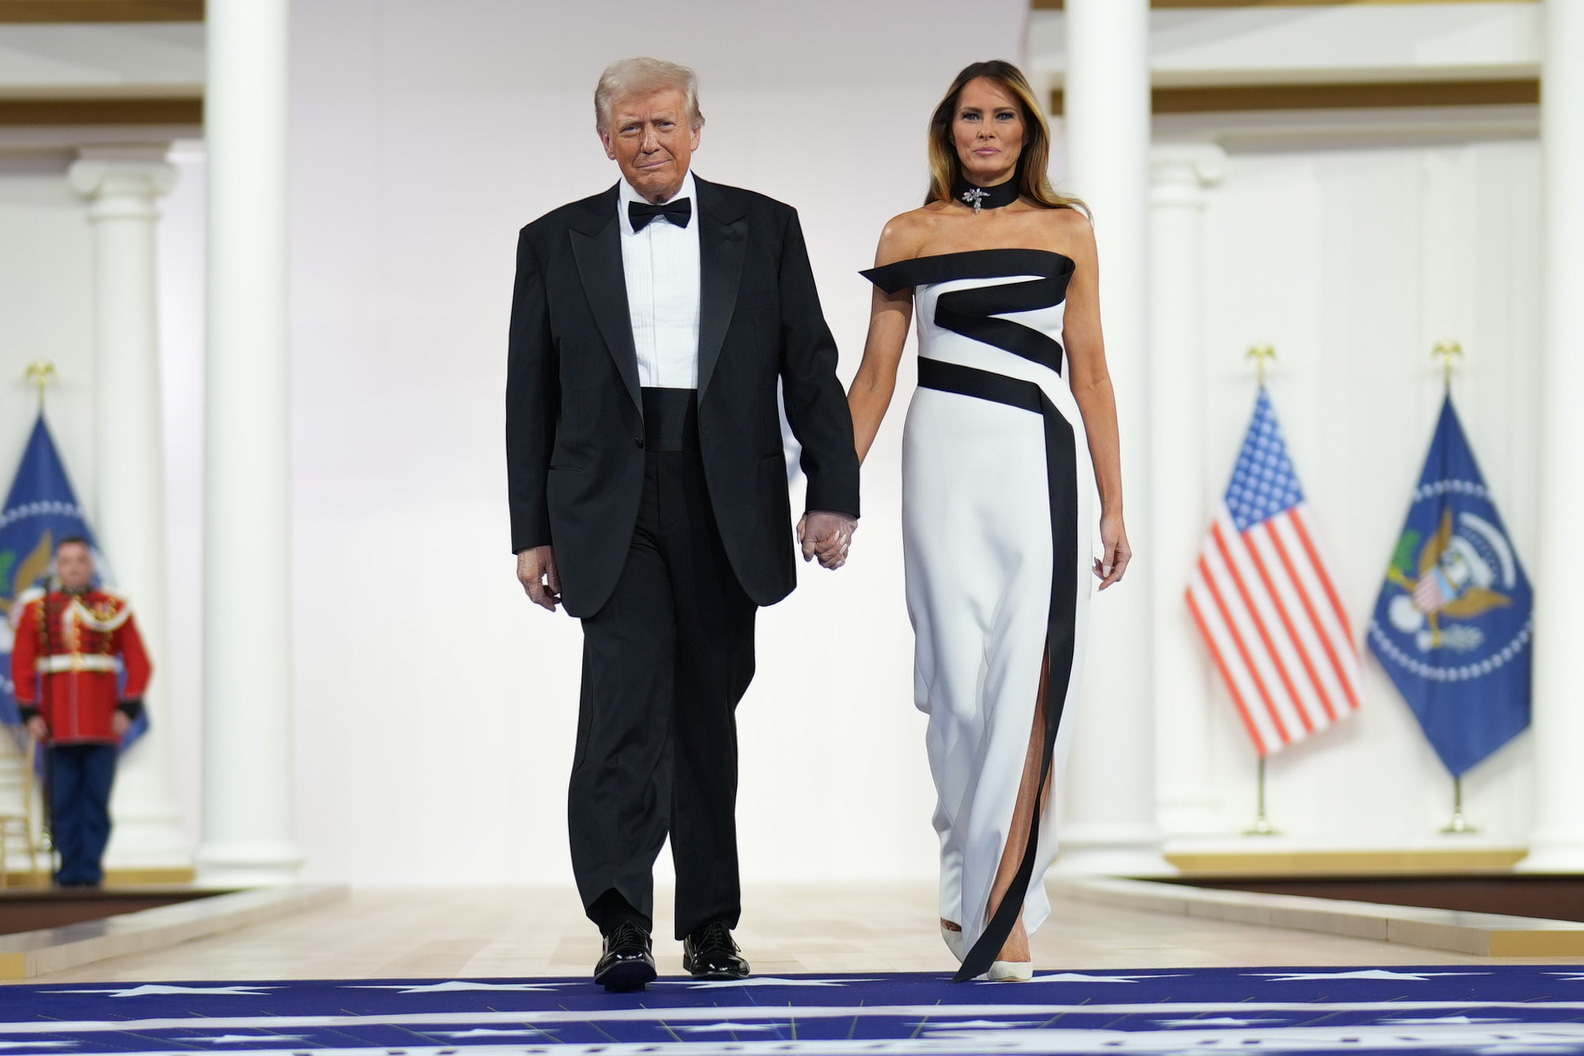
[641, 76]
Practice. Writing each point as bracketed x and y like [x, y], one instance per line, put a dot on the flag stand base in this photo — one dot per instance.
[1262, 825]
[1459, 825]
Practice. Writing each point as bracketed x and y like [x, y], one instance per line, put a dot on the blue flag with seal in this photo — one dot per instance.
[1455, 617]
[40, 510]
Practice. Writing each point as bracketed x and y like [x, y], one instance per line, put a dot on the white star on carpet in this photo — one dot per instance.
[757, 980]
[150, 989]
[242, 1039]
[1569, 977]
[1450, 1021]
[1220, 1021]
[451, 987]
[728, 1026]
[1367, 973]
[487, 1032]
[36, 1044]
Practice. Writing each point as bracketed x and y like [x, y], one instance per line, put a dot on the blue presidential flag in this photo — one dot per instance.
[1454, 619]
[40, 510]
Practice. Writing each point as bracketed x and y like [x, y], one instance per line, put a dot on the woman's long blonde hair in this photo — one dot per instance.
[1033, 180]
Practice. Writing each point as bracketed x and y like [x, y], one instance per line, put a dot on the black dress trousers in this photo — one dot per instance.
[665, 662]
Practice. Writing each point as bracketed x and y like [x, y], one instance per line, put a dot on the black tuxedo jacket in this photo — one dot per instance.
[574, 423]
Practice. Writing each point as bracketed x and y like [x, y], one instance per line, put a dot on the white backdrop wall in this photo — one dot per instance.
[46, 310]
[1353, 262]
[435, 707]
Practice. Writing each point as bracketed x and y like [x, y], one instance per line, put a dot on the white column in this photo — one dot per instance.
[1557, 840]
[1179, 174]
[1109, 818]
[122, 184]
[248, 825]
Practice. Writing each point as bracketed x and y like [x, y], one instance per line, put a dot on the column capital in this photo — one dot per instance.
[1179, 172]
[122, 182]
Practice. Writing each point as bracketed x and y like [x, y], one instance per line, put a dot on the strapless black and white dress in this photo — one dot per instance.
[996, 506]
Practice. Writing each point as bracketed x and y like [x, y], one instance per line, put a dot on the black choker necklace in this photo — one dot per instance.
[986, 197]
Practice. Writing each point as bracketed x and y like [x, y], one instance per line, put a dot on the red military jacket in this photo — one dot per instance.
[68, 650]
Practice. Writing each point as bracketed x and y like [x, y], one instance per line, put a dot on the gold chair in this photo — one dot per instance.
[17, 820]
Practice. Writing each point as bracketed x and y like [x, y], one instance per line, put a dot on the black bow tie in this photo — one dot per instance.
[678, 211]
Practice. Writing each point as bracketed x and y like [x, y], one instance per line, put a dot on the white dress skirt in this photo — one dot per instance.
[996, 506]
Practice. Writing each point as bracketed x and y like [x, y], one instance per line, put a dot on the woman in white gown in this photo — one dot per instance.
[1012, 417]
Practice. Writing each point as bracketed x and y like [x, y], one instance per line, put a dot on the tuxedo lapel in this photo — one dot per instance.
[596, 245]
[723, 237]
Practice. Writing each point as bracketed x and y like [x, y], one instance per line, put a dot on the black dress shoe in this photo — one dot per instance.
[710, 953]
[627, 962]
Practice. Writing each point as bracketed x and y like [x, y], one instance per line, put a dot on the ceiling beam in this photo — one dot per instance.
[1348, 96]
[67, 11]
[21, 112]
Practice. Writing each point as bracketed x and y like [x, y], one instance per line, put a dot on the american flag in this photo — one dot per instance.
[1266, 603]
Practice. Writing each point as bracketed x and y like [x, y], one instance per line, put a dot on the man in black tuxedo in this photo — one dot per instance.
[650, 327]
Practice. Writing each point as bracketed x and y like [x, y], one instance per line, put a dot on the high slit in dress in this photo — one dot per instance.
[996, 507]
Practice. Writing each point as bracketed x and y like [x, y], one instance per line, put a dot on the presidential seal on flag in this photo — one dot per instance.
[1454, 619]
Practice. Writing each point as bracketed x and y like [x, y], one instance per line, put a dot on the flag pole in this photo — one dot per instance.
[1261, 355]
[1459, 825]
[1262, 825]
[1447, 351]
[41, 372]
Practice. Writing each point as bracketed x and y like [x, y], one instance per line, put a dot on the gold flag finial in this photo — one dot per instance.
[1446, 351]
[1261, 355]
[41, 372]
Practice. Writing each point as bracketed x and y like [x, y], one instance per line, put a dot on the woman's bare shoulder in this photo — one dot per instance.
[1069, 221]
[1069, 231]
[904, 234]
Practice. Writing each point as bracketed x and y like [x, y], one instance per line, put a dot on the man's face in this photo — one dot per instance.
[651, 141]
[74, 566]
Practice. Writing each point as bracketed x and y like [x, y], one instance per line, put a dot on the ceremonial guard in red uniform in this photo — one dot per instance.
[71, 646]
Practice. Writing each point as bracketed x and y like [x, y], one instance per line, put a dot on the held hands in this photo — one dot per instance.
[536, 571]
[38, 729]
[1113, 537]
[827, 536]
[824, 535]
[120, 723]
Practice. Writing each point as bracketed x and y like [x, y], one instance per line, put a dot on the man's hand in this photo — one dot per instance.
[37, 728]
[827, 536]
[536, 571]
[120, 723]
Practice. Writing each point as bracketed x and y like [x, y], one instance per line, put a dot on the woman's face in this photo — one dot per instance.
[988, 132]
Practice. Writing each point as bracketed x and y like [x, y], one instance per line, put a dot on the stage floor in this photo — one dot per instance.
[496, 932]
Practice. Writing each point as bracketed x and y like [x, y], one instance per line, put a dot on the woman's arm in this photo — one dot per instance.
[889, 317]
[1091, 388]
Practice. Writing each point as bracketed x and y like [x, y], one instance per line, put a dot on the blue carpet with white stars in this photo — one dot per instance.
[1487, 1010]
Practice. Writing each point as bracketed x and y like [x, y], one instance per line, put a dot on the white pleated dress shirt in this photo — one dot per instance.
[661, 264]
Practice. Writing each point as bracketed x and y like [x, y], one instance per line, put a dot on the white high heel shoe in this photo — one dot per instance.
[1010, 971]
[954, 941]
